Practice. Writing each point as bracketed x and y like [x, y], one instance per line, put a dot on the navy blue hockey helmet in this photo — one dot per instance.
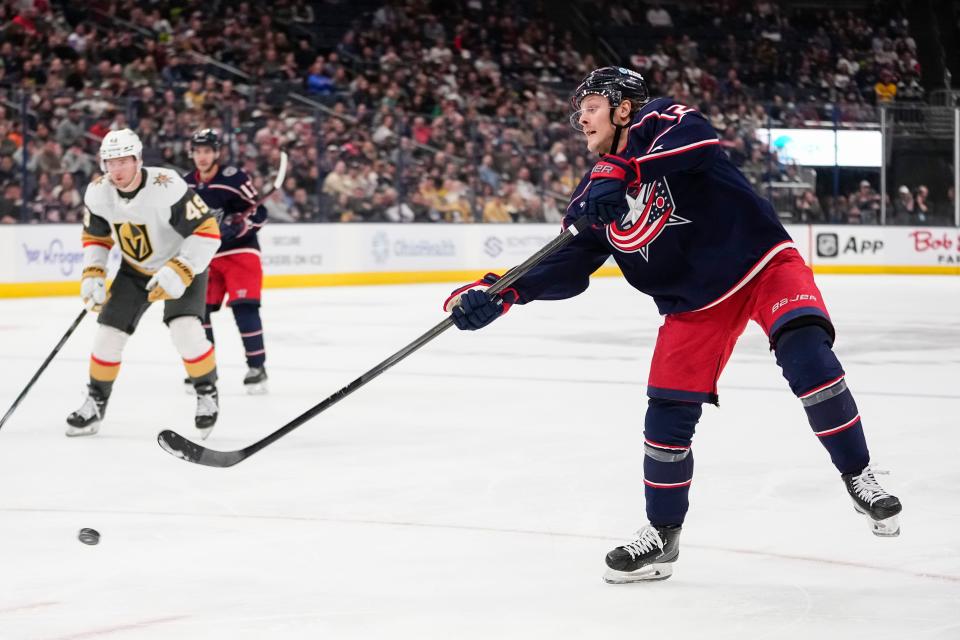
[206, 138]
[616, 84]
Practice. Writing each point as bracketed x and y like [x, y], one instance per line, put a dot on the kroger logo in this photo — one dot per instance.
[54, 255]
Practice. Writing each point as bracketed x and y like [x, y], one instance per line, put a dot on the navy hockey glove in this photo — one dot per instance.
[234, 226]
[609, 180]
[472, 307]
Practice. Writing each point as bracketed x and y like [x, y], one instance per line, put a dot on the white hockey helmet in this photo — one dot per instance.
[120, 144]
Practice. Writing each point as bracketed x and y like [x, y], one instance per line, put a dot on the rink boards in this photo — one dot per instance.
[43, 260]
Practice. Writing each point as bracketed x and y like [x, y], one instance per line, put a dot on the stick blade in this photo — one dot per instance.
[281, 171]
[178, 446]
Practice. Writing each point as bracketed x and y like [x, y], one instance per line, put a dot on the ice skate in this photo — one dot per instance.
[870, 499]
[255, 382]
[649, 557]
[85, 421]
[207, 409]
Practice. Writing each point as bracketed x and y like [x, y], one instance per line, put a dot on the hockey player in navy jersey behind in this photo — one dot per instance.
[686, 228]
[235, 270]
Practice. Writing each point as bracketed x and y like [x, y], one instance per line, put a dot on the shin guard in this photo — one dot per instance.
[251, 332]
[105, 358]
[668, 459]
[192, 345]
[805, 355]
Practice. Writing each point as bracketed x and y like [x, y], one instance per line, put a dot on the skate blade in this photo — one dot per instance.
[89, 430]
[256, 389]
[886, 528]
[649, 573]
[205, 433]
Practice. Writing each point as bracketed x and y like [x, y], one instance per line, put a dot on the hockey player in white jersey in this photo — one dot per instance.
[167, 237]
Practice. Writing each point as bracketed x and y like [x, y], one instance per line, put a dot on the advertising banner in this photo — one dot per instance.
[890, 248]
[46, 259]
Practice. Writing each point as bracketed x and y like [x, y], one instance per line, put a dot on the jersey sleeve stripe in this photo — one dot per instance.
[652, 114]
[231, 189]
[663, 133]
[673, 152]
[88, 239]
[105, 245]
[207, 229]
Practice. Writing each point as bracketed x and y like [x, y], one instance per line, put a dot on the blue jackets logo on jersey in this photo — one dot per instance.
[651, 211]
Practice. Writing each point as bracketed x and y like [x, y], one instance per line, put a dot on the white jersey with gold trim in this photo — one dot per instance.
[162, 219]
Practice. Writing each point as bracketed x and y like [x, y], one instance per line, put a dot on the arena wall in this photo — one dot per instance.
[45, 260]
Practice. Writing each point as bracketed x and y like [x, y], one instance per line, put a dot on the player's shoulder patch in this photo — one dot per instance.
[162, 179]
[165, 184]
[229, 171]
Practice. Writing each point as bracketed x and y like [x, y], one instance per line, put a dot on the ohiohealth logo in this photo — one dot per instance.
[54, 254]
[380, 247]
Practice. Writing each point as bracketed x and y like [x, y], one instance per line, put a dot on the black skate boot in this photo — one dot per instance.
[871, 500]
[255, 382]
[208, 408]
[649, 557]
[85, 421]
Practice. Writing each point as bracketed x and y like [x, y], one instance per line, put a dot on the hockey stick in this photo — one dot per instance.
[175, 444]
[277, 181]
[274, 186]
[43, 366]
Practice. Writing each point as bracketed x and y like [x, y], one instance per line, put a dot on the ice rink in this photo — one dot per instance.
[473, 490]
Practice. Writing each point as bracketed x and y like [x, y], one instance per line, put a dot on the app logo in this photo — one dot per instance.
[828, 245]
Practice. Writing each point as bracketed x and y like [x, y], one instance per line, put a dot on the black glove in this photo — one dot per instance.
[472, 307]
[606, 199]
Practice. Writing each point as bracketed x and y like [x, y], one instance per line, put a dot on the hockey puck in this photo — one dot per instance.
[89, 536]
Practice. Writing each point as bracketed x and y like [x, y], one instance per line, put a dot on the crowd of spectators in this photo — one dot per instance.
[415, 114]
[748, 65]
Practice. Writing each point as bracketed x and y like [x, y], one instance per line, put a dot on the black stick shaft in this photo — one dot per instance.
[43, 366]
[508, 279]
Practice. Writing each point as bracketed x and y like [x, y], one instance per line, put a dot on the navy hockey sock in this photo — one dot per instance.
[668, 459]
[207, 324]
[251, 331]
[806, 357]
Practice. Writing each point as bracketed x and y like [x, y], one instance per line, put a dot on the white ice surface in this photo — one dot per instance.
[473, 490]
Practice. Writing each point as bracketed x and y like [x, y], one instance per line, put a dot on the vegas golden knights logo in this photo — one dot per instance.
[134, 240]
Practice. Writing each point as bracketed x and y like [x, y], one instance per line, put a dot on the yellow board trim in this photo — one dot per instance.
[887, 269]
[38, 289]
[44, 289]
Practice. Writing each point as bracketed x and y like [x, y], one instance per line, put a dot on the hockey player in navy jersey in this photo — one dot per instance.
[686, 228]
[235, 270]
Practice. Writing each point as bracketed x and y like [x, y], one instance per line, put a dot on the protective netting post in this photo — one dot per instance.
[956, 166]
[883, 165]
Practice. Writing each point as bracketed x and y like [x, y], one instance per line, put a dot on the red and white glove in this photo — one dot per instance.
[473, 308]
[609, 181]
